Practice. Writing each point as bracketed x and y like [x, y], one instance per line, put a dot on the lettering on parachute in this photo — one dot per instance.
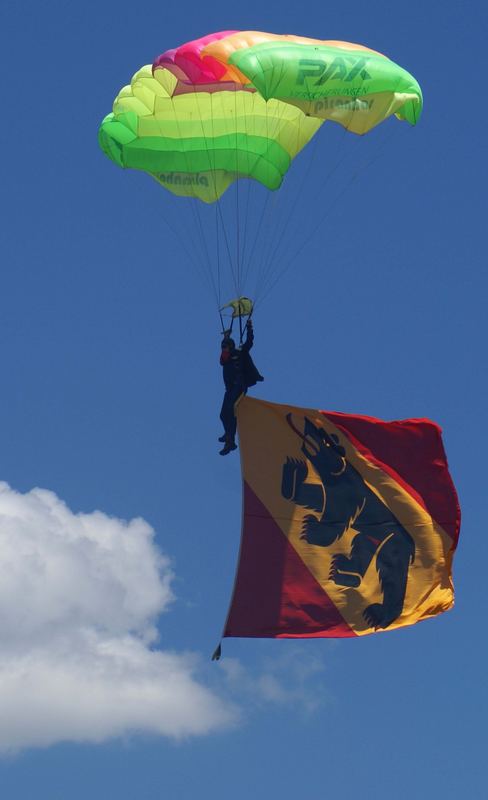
[180, 179]
[338, 69]
[342, 105]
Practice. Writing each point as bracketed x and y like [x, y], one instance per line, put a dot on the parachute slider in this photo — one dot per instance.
[241, 307]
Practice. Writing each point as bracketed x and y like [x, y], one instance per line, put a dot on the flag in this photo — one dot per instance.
[349, 523]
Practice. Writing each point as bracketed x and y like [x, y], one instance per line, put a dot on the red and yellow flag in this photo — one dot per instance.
[350, 523]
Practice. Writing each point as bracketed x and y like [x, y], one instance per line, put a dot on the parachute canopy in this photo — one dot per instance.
[242, 104]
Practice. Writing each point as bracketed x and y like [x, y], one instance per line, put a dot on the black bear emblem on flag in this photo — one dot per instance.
[342, 501]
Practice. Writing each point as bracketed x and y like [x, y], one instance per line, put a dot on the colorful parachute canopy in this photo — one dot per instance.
[242, 104]
[350, 524]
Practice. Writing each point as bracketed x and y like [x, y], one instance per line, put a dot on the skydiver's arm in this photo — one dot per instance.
[249, 337]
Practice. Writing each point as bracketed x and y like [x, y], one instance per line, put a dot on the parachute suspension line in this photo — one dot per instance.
[274, 272]
[244, 233]
[239, 287]
[262, 217]
[329, 208]
[188, 234]
[241, 314]
[217, 236]
[246, 268]
[219, 211]
[179, 235]
[268, 240]
[227, 247]
[222, 322]
[285, 228]
[251, 192]
[194, 204]
[252, 188]
[284, 234]
[218, 203]
[207, 256]
[211, 166]
[278, 274]
[196, 215]
[180, 238]
[246, 215]
[263, 212]
[276, 232]
[272, 233]
[217, 242]
[279, 236]
[336, 162]
[267, 228]
[219, 217]
[249, 316]
[240, 329]
[274, 268]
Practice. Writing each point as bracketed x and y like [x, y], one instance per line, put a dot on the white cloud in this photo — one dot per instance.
[79, 597]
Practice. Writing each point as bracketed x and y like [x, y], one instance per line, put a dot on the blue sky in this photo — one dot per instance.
[110, 399]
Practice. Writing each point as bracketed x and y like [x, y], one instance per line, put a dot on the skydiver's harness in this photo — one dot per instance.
[246, 373]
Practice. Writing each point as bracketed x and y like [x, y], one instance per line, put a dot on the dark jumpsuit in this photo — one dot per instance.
[235, 383]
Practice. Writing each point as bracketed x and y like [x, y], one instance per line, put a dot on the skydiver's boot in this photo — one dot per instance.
[222, 438]
[229, 446]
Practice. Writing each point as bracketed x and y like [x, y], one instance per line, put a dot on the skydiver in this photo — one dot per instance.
[239, 373]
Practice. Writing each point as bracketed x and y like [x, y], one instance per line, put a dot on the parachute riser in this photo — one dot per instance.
[239, 310]
[243, 327]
